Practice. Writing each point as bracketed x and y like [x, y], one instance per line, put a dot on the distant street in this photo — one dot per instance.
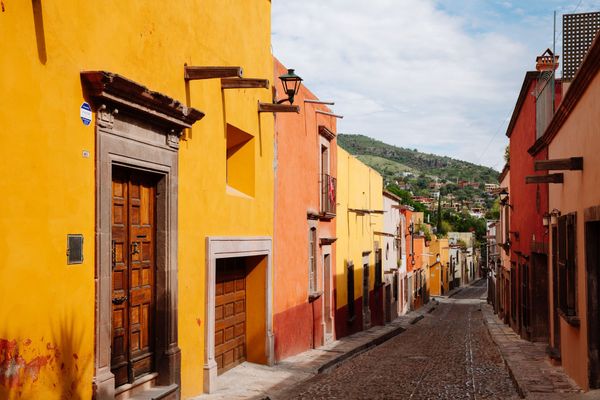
[447, 355]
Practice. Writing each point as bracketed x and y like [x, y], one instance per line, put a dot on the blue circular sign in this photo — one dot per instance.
[85, 113]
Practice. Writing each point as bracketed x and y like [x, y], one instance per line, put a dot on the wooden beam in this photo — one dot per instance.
[244, 83]
[275, 108]
[571, 164]
[550, 178]
[193, 73]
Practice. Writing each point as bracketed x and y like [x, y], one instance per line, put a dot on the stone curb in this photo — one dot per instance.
[335, 362]
[519, 386]
[522, 386]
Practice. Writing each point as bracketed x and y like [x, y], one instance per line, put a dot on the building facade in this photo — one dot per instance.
[147, 222]
[571, 141]
[359, 275]
[305, 234]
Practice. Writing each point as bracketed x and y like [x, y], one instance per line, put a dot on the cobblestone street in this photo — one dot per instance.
[447, 355]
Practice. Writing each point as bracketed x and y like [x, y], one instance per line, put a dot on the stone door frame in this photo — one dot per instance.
[218, 247]
[137, 129]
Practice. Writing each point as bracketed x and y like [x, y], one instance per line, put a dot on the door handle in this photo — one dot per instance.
[119, 300]
[134, 249]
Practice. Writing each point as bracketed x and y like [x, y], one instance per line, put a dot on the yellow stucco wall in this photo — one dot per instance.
[47, 310]
[437, 271]
[361, 188]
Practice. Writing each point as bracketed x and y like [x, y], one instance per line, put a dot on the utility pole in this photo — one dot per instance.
[439, 213]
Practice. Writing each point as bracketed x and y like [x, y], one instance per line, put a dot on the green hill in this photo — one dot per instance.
[390, 161]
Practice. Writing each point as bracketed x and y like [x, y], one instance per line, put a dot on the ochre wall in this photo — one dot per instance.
[359, 187]
[578, 137]
[48, 186]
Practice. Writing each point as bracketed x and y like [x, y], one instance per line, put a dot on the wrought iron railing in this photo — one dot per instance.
[328, 194]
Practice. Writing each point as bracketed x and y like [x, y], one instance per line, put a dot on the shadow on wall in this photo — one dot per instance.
[40, 36]
[26, 362]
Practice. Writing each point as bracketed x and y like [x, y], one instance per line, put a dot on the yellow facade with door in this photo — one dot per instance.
[359, 216]
[47, 168]
[438, 275]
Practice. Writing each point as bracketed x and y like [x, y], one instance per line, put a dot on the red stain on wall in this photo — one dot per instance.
[14, 370]
[198, 321]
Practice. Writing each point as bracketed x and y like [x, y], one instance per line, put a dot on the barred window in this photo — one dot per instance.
[312, 260]
[350, 289]
[567, 264]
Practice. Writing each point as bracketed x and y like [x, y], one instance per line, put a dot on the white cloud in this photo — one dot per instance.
[436, 75]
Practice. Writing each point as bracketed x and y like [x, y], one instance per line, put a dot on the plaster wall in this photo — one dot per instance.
[298, 322]
[48, 167]
[578, 137]
[359, 188]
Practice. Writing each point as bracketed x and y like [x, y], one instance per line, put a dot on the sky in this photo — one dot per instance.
[440, 76]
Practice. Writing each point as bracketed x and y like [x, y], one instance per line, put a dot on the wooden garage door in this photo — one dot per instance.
[230, 313]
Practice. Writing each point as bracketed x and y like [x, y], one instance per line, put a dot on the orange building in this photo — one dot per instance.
[305, 208]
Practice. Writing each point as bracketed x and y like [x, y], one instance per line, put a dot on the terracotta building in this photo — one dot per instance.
[572, 142]
[305, 234]
[528, 202]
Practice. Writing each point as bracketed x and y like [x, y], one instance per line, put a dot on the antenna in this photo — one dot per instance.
[552, 87]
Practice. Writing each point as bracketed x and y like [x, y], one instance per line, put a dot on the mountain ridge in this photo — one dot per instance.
[370, 150]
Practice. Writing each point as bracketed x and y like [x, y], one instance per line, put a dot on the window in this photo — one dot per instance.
[513, 292]
[543, 102]
[378, 269]
[328, 184]
[350, 282]
[240, 161]
[567, 264]
[312, 260]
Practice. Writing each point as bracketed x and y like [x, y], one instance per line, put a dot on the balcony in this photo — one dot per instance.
[328, 196]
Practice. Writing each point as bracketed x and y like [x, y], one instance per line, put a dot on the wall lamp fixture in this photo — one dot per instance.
[551, 218]
[291, 84]
[504, 198]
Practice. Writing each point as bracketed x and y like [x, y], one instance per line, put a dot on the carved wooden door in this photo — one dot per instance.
[133, 275]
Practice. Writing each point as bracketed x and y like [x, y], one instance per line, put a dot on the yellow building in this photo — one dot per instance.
[129, 243]
[438, 266]
[359, 301]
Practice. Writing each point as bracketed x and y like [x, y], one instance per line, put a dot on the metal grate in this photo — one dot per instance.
[75, 249]
[579, 31]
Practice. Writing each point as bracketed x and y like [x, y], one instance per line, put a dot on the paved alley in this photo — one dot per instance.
[447, 355]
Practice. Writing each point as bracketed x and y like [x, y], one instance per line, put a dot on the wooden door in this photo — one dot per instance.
[133, 275]
[230, 313]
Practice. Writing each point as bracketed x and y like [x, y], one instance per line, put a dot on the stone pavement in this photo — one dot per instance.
[448, 355]
[528, 364]
[253, 381]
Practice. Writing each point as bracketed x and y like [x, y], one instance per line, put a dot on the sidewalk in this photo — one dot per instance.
[528, 365]
[253, 381]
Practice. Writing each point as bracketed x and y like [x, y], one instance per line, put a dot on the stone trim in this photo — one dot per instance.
[326, 133]
[108, 87]
[121, 141]
[227, 247]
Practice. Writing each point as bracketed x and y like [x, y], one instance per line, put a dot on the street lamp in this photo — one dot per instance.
[554, 214]
[291, 84]
[546, 220]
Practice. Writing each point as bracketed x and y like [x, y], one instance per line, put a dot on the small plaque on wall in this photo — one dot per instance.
[74, 249]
